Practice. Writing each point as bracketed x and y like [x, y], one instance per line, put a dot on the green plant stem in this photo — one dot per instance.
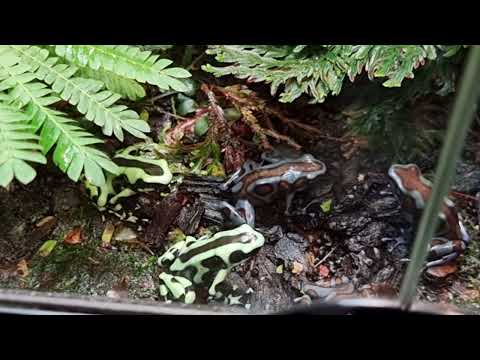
[460, 120]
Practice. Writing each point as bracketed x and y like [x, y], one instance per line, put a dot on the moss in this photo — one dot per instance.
[88, 269]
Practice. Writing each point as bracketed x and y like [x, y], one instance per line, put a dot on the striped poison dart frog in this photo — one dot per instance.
[410, 181]
[261, 184]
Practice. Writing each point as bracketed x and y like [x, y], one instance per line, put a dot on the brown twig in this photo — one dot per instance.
[324, 258]
[157, 109]
[161, 96]
[463, 196]
[308, 128]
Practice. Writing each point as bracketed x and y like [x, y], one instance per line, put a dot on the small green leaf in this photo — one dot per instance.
[185, 105]
[94, 173]
[232, 114]
[177, 72]
[47, 248]
[6, 173]
[279, 269]
[201, 126]
[144, 115]
[191, 87]
[326, 206]
[23, 172]
[176, 235]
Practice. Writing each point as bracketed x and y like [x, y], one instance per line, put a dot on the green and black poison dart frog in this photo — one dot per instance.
[260, 184]
[134, 167]
[205, 261]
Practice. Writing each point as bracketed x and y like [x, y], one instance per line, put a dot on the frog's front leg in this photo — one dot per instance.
[444, 251]
[243, 213]
[179, 287]
[247, 166]
[219, 278]
[289, 200]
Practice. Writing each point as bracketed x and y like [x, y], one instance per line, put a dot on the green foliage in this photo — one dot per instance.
[319, 71]
[123, 86]
[92, 79]
[394, 121]
[127, 61]
[18, 144]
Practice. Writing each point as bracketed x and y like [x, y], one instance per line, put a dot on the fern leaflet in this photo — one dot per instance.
[18, 144]
[73, 152]
[128, 61]
[86, 94]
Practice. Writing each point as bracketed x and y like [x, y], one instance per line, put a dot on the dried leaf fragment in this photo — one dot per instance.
[47, 248]
[74, 236]
[22, 268]
[297, 268]
[46, 220]
[107, 234]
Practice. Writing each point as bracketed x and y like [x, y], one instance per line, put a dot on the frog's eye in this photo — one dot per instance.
[263, 189]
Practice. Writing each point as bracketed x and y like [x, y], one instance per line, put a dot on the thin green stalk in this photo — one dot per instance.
[461, 118]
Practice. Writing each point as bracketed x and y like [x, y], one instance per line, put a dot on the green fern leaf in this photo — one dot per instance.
[128, 88]
[18, 144]
[320, 70]
[128, 61]
[73, 152]
[86, 94]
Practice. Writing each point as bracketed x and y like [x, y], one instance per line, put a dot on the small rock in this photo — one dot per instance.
[297, 268]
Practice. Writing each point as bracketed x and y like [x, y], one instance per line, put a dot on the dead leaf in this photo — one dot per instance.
[22, 268]
[74, 236]
[323, 271]
[384, 290]
[442, 270]
[470, 294]
[107, 234]
[120, 290]
[310, 259]
[124, 233]
[297, 268]
[46, 220]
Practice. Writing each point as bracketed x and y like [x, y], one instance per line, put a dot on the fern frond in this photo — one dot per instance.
[319, 71]
[73, 152]
[18, 144]
[86, 94]
[316, 76]
[128, 61]
[121, 85]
